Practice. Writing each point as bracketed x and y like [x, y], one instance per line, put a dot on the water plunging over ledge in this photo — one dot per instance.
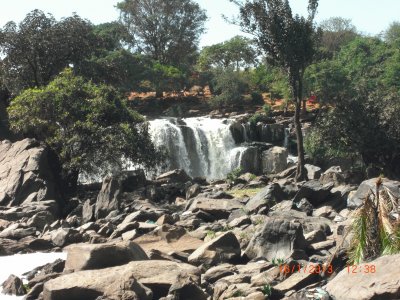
[201, 146]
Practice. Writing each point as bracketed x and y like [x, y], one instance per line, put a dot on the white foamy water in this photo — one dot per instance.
[21, 263]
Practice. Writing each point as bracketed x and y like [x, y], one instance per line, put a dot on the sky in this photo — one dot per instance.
[369, 16]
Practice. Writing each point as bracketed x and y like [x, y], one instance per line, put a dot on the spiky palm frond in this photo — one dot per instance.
[374, 233]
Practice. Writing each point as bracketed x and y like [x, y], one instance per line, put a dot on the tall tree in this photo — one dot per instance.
[237, 52]
[337, 32]
[168, 31]
[40, 47]
[289, 43]
[393, 32]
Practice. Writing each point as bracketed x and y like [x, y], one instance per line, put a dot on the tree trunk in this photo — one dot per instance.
[159, 93]
[300, 171]
[297, 89]
[304, 107]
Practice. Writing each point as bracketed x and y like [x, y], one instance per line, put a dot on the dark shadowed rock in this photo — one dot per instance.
[276, 239]
[315, 192]
[13, 286]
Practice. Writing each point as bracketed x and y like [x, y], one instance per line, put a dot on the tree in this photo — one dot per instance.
[237, 52]
[392, 34]
[168, 31]
[337, 32]
[38, 48]
[288, 42]
[89, 127]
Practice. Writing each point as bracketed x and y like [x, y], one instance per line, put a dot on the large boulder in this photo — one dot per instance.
[377, 279]
[217, 208]
[315, 192]
[25, 174]
[249, 160]
[271, 133]
[224, 248]
[98, 256]
[278, 238]
[133, 280]
[274, 160]
[13, 286]
[267, 197]
[356, 199]
[109, 197]
[174, 176]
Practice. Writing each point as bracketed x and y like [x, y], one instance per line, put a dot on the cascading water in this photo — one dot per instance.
[201, 146]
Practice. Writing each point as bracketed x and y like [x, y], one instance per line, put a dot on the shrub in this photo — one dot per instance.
[257, 98]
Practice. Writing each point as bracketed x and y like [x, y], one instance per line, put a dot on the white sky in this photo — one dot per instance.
[369, 16]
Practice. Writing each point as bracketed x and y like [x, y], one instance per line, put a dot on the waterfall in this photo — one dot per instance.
[201, 146]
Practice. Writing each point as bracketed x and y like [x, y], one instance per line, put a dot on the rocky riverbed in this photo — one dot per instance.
[177, 237]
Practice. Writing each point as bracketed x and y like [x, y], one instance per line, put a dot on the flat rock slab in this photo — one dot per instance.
[98, 256]
[382, 284]
[131, 279]
[185, 243]
[219, 208]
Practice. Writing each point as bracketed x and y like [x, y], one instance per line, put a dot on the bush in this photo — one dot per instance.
[257, 98]
[234, 175]
[256, 118]
[267, 109]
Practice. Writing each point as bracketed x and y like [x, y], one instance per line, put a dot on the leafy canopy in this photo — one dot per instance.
[89, 126]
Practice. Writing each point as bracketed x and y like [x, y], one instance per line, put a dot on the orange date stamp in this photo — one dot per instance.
[311, 269]
[363, 269]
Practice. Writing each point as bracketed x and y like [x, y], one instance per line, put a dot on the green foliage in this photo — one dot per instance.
[374, 233]
[267, 290]
[392, 34]
[40, 47]
[230, 87]
[234, 175]
[362, 85]
[267, 109]
[238, 52]
[257, 118]
[278, 261]
[90, 127]
[167, 31]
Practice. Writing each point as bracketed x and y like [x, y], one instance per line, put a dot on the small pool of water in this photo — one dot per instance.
[21, 263]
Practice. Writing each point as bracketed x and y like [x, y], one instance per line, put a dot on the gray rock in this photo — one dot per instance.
[25, 174]
[315, 192]
[217, 208]
[13, 286]
[89, 257]
[274, 160]
[224, 248]
[88, 212]
[333, 174]
[41, 219]
[356, 199]
[313, 172]
[382, 284]
[17, 232]
[65, 236]
[267, 197]
[174, 176]
[272, 133]
[109, 197]
[193, 191]
[121, 282]
[278, 238]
